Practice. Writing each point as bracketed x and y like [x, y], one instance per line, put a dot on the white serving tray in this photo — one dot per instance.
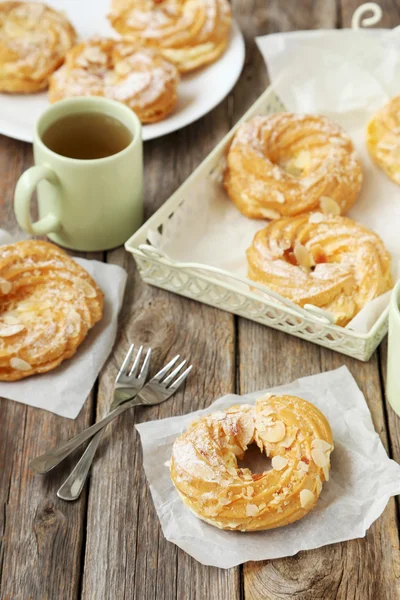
[232, 292]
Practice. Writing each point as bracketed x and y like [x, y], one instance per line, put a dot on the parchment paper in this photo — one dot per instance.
[346, 75]
[362, 479]
[64, 390]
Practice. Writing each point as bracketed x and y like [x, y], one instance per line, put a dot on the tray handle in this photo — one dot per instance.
[359, 19]
[308, 310]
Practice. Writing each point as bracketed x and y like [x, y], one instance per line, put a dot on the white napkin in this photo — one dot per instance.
[362, 479]
[346, 75]
[64, 390]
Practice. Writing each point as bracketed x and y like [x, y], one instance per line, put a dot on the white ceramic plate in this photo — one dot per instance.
[198, 93]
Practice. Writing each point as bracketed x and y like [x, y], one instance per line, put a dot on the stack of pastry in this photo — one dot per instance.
[302, 173]
[160, 39]
[48, 303]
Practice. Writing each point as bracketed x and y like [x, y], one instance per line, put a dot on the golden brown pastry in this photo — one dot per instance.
[283, 164]
[138, 77]
[383, 138]
[189, 33]
[48, 303]
[331, 262]
[34, 39]
[291, 431]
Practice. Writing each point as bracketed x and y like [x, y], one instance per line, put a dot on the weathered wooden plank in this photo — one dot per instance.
[41, 536]
[126, 553]
[361, 567]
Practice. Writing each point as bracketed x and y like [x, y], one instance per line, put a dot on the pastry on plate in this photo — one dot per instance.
[331, 262]
[141, 78]
[383, 138]
[205, 471]
[284, 164]
[34, 39]
[48, 303]
[190, 33]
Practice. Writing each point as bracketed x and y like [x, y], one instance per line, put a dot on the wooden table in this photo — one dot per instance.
[109, 545]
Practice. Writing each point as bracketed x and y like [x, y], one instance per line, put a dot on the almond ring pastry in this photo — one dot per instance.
[48, 303]
[331, 262]
[138, 77]
[383, 138]
[189, 33]
[34, 39]
[289, 430]
[283, 164]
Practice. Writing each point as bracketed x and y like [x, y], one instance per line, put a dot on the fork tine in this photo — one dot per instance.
[126, 361]
[136, 363]
[173, 388]
[175, 372]
[158, 376]
[145, 368]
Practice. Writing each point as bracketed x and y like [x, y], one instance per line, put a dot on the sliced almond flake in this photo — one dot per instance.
[316, 217]
[5, 286]
[279, 462]
[320, 445]
[269, 213]
[320, 458]
[262, 505]
[288, 440]
[237, 450]
[279, 509]
[167, 463]
[279, 197]
[325, 471]
[252, 510]
[329, 206]
[291, 169]
[19, 364]
[303, 256]
[274, 433]
[224, 501]
[302, 467]
[10, 319]
[307, 499]
[250, 490]
[8, 330]
[318, 484]
[302, 160]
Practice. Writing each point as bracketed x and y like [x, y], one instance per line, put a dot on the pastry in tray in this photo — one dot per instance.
[34, 39]
[383, 138]
[284, 164]
[190, 33]
[205, 471]
[139, 77]
[331, 262]
[48, 303]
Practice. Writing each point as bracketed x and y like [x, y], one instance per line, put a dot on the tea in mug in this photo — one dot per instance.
[87, 136]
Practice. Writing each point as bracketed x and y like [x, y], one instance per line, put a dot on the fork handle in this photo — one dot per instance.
[49, 460]
[72, 487]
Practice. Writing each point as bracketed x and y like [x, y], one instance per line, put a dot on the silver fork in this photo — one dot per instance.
[128, 383]
[159, 389]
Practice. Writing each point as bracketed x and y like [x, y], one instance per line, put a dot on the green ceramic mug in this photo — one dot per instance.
[393, 371]
[84, 204]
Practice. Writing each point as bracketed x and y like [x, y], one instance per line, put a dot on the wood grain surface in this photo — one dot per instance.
[108, 544]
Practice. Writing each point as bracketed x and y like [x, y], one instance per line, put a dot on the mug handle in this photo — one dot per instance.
[22, 201]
